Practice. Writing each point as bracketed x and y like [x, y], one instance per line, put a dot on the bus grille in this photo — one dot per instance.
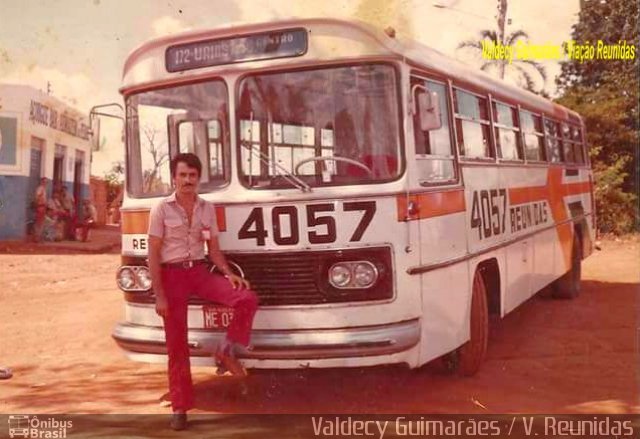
[300, 278]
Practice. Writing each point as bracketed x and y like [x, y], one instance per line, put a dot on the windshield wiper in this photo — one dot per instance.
[264, 159]
[286, 175]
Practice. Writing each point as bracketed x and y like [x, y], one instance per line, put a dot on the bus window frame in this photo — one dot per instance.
[583, 144]
[556, 122]
[516, 128]
[394, 63]
[447, 83]
[173, 148]
[539, 134]
[576, 143]
[492, 148]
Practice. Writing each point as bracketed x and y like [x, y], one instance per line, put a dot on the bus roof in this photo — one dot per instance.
[331, 40]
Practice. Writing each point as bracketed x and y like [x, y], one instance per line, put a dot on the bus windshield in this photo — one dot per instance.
[329, 126]
[161, 123]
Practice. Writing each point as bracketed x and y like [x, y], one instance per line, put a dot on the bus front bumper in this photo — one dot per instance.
[147, 343]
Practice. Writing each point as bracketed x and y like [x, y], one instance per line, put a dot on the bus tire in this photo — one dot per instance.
[467, 359]
[568, 286]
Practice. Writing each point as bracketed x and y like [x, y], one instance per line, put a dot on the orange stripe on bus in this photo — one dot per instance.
[138, 222]
[577, 188]
[431, 204]
[221, 218]
[135, 222]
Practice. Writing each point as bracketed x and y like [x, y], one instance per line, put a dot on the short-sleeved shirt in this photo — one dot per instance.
[181, 241]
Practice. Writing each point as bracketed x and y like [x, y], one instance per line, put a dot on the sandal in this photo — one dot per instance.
[226, 361]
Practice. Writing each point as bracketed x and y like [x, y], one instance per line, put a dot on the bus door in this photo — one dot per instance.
[519, 258]
[520, 211]
[200, 134]
[442, 226]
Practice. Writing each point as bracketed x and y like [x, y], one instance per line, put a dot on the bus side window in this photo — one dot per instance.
[507, 132]
[472, 125]
[554, 144]
[569, 155]
[576, 138]
[434, 152]
[572, 144]
[533, 137]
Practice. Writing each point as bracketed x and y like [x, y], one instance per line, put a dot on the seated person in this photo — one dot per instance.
[62, 215]
[49, 226]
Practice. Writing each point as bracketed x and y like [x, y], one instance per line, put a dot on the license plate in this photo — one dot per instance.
[217, 317]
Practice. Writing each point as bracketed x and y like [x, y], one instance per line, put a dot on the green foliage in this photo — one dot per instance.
[114, 179]
[615, 207]
[610, 21]
[605, 93]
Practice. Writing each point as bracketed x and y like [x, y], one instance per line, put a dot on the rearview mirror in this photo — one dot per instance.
[94, 123]
[428, 109]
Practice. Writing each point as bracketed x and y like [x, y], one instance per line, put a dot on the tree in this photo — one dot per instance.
[605, 93]
[114, 179]
[159, 155]
[522, 67]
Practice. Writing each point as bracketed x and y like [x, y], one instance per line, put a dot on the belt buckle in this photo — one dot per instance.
[187, 264]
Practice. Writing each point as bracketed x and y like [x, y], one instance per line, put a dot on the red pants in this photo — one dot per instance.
[178, 284]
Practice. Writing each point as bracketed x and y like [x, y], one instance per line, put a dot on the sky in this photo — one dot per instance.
[80, 46]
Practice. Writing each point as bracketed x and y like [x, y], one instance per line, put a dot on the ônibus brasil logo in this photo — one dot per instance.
[33, 427]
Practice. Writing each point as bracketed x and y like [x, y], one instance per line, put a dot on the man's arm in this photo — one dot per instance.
[217, 258]
[155, 233]
[155, 246]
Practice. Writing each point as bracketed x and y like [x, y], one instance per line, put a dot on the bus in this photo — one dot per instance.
[384, 200]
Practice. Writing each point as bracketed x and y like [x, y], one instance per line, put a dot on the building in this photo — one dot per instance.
[40, 136]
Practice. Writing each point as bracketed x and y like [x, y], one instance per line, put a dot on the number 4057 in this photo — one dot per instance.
[320, 228]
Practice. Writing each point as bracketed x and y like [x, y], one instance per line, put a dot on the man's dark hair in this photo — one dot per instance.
[188, 158]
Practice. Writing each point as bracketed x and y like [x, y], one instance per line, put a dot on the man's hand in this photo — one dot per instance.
[162, 306]
[238, 282]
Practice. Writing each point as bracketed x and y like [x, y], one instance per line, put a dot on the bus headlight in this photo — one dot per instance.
[340, 275]
[144, 278]
[126, 279]
[353, 274]
[134, 278]
[364, 274]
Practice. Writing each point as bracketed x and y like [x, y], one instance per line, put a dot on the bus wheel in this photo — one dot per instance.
[472, 353]
[467, 359]
[568, 286]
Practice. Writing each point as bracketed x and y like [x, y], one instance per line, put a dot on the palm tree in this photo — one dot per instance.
[523, 67]
[498, 38]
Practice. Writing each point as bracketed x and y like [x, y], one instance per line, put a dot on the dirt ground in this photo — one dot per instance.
[57, 310]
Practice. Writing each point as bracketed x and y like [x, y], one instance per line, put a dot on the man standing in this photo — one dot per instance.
[40, 204]
[179, 226]
[88, 220]
[68, 205]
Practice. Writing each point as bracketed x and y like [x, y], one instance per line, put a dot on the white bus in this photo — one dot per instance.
[383, 199]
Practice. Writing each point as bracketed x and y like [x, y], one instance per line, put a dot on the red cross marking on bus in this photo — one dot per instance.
[553, 192]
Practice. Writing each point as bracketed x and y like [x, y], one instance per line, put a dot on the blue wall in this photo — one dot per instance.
[15, 200]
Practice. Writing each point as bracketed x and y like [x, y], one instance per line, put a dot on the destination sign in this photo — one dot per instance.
[269, 45]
